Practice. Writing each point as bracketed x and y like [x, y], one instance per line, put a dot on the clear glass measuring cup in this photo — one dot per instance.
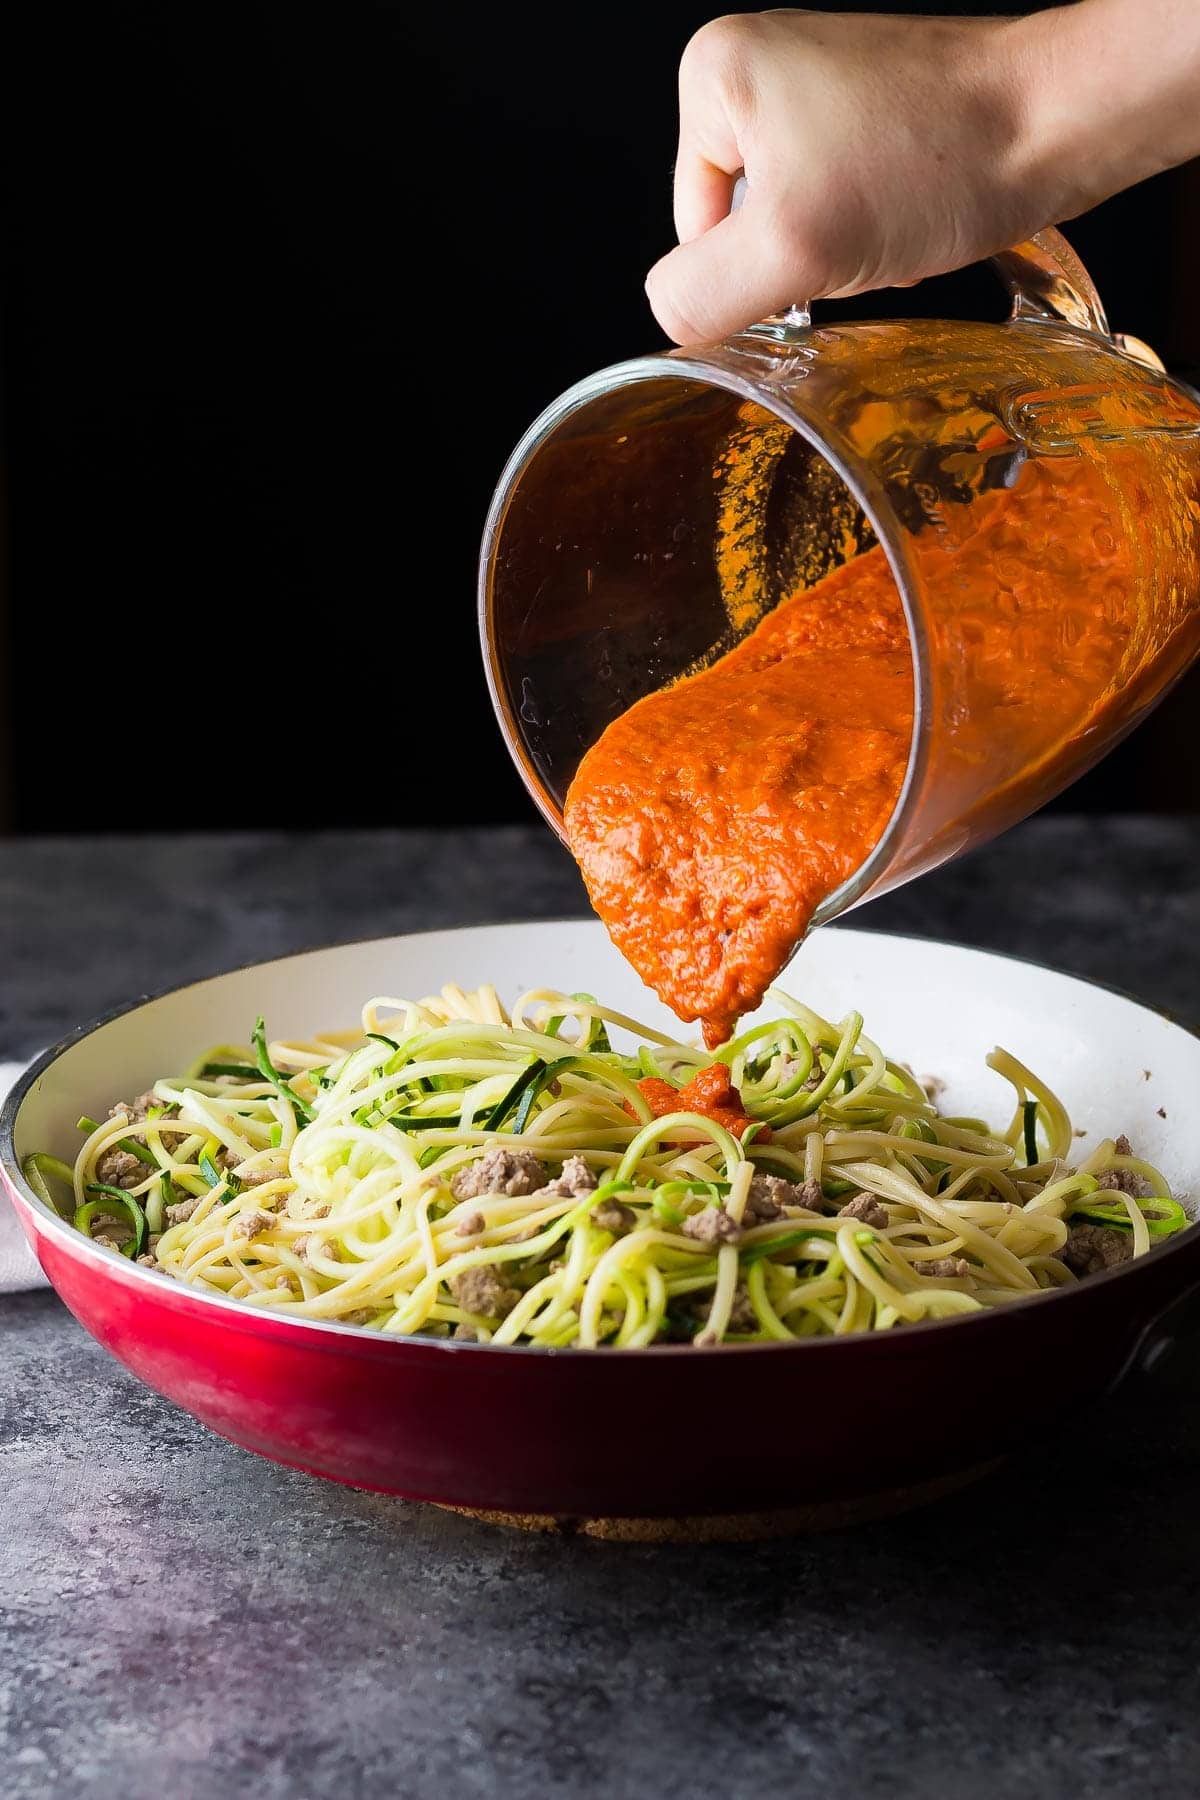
[1034, 484]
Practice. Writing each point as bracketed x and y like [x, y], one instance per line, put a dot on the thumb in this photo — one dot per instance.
[731, 276]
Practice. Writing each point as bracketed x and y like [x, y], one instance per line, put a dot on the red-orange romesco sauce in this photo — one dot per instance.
[711, 1092]
[711, 819]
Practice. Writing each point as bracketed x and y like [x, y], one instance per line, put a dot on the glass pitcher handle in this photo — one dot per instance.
[1047, 281]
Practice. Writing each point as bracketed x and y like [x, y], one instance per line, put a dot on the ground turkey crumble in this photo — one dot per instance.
[867, 1208]
[576, 1179]
[742, 1316]
[499, 1171]
[182, 1210]
[713, 1225]
[770, 1191]
[1091, 1248]
[766, 1199]
[110, 1231]
[946, 1268]
[485, 1292]
[1125, 1181]
[257, 1177]
[137, 1111]
[613, 1215]
[251, 1223]
[121, 1168]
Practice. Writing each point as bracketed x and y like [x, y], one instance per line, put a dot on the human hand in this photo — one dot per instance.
[881, 150]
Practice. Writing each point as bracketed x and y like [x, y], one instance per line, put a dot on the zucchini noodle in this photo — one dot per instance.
[455, 1170]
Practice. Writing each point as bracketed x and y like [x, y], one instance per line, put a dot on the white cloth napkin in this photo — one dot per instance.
[18, 1265]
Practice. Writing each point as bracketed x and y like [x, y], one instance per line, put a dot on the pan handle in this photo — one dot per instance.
[1156, 1340]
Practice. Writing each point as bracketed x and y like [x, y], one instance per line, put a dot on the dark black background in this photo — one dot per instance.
[281, 285]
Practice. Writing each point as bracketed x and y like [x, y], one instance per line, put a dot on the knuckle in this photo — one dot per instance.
[720, 51]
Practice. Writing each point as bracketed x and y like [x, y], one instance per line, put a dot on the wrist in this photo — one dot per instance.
[1107, 97]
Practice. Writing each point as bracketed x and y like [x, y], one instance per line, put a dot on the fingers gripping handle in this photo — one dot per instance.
[1044, 276]
[798, 316]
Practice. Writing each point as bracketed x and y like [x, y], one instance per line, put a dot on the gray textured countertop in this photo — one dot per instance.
[178, 1616]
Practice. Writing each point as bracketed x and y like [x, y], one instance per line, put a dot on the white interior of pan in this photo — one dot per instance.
[1117, 1065]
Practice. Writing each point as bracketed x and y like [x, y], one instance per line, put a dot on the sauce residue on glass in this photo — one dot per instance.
[712, 818]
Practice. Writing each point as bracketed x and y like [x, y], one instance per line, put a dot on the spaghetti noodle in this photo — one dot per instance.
[455, 1170]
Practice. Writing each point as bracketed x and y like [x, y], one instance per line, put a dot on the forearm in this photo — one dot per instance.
[1112, 93]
